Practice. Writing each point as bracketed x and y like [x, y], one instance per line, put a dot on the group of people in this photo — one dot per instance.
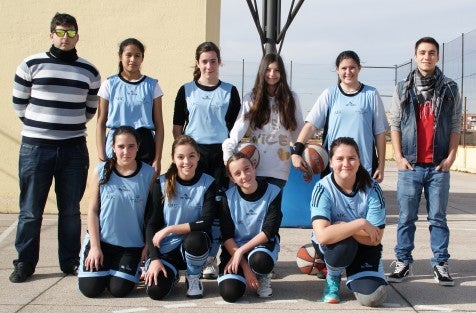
[212, 196]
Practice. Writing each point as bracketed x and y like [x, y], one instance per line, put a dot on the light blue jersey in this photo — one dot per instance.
[330, 203]
[360, 116]
[131, 103]
[249, 216]
[123, 203]
[207, 110]
[185, 207]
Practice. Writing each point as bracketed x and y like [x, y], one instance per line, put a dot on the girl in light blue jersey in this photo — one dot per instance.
[348, 109]
[114, 245]
[133, 99]
[250, 220]
[178, 232]
[348, 219]
[206, 109]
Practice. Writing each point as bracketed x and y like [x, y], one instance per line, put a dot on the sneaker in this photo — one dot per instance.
[210, 270]
[400, 271]
[264, 289]
[442, 275]
[194, 286]
[331, 290]
[70, 269]
[273, 274]
[142, 271]
[21, 272]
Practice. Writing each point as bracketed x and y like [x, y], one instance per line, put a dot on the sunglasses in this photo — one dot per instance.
[71, 33]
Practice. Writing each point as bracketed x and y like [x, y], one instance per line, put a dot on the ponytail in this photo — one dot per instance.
[107, 171]
[363, 178]
[170, 180]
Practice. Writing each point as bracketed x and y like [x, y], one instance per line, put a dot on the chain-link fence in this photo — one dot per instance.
[457, 61]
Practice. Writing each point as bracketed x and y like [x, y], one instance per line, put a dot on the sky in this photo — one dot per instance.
[382, 32]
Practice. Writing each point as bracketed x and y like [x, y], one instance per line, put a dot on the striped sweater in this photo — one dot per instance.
[55, 99]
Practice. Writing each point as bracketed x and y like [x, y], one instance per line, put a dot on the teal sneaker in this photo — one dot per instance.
[331, 291]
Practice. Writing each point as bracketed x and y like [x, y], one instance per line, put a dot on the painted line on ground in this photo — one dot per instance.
[223, 302]
[281, 301]
[432, 308]
[8, 231]
[131, 310]
[180, 305]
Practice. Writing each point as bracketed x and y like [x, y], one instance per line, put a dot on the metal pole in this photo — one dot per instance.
[242, 78]
[396, 75]
[464, 123]
[462, 65]
[270, 9]
[443, 59]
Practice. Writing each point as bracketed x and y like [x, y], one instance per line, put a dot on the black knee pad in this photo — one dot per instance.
[163, 287]
[231, 289]
[197, 243]
[261, 262]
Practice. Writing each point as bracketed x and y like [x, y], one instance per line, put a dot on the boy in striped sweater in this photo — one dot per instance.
[54, 95]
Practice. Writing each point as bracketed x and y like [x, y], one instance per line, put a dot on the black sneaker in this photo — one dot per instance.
[69, 269]
[21, 272]
[442, 275]
[400, 271]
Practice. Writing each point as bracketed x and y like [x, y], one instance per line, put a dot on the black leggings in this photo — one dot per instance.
[232, 289]
[350, 254]
[197, 243]
[92, 287]
[146, 151]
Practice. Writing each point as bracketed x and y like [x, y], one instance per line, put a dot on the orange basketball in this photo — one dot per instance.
[250, 151]
[309, 262]
[316, 158]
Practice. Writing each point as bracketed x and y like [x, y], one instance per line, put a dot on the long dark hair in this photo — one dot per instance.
[172, 172]
[111, 162]
[260, 112]
[363, 178]
[124, 44]
[204, 47]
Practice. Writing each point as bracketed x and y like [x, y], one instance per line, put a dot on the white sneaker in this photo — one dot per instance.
[210, 270]
[264, 289]
[194, 286]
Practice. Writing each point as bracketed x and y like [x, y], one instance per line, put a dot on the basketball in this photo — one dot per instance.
[308, 261]
[250, 151]
[316, 158]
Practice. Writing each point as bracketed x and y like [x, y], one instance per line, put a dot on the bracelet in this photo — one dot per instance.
[298, 148]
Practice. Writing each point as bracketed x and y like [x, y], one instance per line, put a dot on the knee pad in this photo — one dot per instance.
[231, 289]
[197, 243]
[374, 299]
[164, 285]
[261, 262]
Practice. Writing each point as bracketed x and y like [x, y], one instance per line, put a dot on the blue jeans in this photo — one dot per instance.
[38, 164]
[436, 186]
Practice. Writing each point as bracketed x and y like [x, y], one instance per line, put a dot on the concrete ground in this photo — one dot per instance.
[50, 291]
